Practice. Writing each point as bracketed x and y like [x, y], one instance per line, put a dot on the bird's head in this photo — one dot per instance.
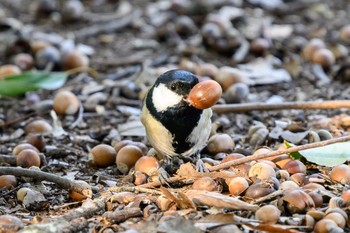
[172, 88]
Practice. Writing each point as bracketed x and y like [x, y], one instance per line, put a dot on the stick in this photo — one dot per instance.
[73, 185]
[331, 104]
[278, 152]
[257, 157]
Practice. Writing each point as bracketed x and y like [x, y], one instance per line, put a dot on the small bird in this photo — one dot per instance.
[173, 126]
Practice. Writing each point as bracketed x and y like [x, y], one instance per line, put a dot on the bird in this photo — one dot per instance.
[175, 128]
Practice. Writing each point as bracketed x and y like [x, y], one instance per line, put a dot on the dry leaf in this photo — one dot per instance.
[213, 199]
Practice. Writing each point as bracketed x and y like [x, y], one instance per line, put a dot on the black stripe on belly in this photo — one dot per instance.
[180, 121]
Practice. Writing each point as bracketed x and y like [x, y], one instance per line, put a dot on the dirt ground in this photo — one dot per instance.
[263, 46]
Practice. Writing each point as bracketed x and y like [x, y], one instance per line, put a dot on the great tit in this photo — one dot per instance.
[175, 128]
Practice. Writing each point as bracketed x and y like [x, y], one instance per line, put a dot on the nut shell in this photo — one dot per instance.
[148, 165]
[220, 143]
[28, 158]
[341, 174]
[268, 214]
[38, 126]
[102, 155]
[8, 70]
[65, 103]
[8, 181]
[205, 183]
[238, 185]
[127, 157]
[205, 94]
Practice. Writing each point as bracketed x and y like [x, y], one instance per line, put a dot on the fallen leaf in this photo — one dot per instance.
[295, 138]
[213, 199]
[330, 155]
[30, 81]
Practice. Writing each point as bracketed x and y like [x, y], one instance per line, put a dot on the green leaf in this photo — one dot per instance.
[329, 155]
[295, 155]
[30, 81]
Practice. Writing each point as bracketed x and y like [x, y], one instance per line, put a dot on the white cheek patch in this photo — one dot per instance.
[163, 98]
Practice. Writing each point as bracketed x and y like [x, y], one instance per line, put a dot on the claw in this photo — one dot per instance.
[200, 166]
[163, 177]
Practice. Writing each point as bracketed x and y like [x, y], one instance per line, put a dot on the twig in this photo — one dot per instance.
[331, 104]
[134, 190]
[256, 157]
[73, 185]
[278, 152]
[122, 215]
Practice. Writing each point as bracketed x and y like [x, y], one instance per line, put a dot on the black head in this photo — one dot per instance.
[178, 81]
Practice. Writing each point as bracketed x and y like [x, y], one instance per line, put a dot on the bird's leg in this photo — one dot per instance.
[200, 166]
[163, 176]
[169, 165]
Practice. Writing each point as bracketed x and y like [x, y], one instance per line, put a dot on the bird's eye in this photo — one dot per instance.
[173, 87]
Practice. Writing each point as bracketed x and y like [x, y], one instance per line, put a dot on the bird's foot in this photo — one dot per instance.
[163, 176]
[200, 166]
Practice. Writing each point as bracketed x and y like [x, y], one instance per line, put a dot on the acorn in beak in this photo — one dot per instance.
[204, 94]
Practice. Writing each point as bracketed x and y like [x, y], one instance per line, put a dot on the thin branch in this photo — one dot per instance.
[331, 104]
[73, 185]
[134, 190]
[256, 157]
[278, 152]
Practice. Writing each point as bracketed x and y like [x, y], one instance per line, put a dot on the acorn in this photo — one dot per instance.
[186, 64]
[74, 59]
[261, 171]
[23, 146]
[205, 183]
[294, 166]
[102, 155]
[47, 56]
[8, 181]
[206, 70]
[117, 146]
[327, 226]
[38, 127]
[258, 189]
[37, 45]
[72, 10]
[8, 70]
[205, 94]
[288, 185]
[298, 201]
[10, 224]
[236, 93]
[24, 61]
[140, 178]
[21, 193]
[226, 76]
[65, 103]
[76, 196]
[148, 165]
[340, 173]
[237, 185]
[37, 140]
[324, 57]
[268, 214]
[28, 158]
[311, 47]
[127, 157]
[220, 143]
